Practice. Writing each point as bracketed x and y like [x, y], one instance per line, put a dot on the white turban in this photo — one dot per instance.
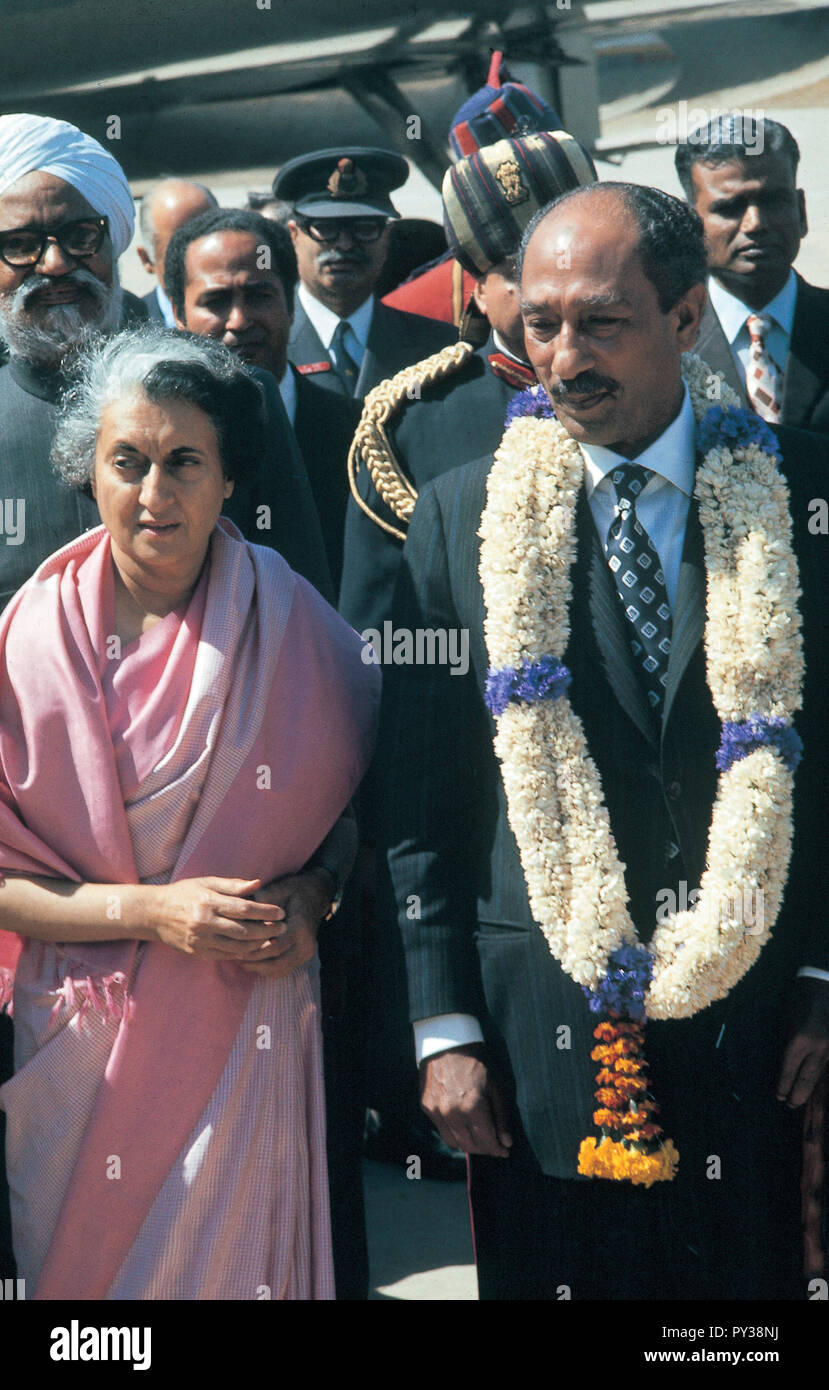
[29, 143]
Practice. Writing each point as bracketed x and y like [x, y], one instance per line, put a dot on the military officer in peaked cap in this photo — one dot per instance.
[342, 337]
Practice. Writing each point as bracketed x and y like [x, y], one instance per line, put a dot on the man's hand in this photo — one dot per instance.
[306, 899]
[464, 1102]
[808, 1049]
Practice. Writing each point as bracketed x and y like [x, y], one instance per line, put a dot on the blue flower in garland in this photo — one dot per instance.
[623, 989]
[546, 679]
[735, 428]
[532, 402]
[738, 740]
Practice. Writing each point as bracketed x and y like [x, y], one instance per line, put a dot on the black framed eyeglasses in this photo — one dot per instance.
[327, 230]
[77, 239]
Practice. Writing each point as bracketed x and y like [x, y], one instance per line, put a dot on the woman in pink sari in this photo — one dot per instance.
[182, 723]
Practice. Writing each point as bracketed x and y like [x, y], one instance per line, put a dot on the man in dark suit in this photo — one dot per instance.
[612, 295]
[765, 328]
[342, 336]
[166, 206]
[220, 286]
[451, 410]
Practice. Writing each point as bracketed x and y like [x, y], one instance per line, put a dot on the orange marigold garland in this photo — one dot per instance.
[631, 1146]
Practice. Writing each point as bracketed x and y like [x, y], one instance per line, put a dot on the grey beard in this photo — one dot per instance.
[59, 329]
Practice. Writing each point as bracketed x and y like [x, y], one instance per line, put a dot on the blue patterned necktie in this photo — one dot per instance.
[640, 584]
[346, 366]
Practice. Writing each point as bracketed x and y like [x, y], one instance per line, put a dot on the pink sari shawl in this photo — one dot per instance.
[266, 726]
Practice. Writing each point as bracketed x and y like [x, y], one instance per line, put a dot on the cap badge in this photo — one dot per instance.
[508, 175]
[347, 180]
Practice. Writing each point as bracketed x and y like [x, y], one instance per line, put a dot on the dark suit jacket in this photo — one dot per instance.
[456, 420]
[55, 513]
[153, 308]
[324, 426]
[806, 378]
[134, 311]
[472, 945]
[276, 506]
[395, 340]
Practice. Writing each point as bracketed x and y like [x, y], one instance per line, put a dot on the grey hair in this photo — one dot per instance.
[119, 366]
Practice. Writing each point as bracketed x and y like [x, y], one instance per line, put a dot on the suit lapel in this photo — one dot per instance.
[609, 624]
[806, 363]
[612, 638]
[305, 345]
[380, 353]
[712, 347]
[688, 624]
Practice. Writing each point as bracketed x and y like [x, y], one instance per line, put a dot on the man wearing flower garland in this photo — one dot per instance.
[634, 627]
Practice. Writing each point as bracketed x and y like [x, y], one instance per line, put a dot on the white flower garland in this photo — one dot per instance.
[754, 658]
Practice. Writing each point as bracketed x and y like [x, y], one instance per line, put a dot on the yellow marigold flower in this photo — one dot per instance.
[607, 1119]
[611, 1159]
[643, 1133]
[606, 1096]
[627, 1086]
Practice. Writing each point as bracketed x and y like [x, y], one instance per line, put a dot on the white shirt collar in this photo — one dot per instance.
[672, 455]
[732, 312]
[325, 321]
[166, 307]
[502, 347]
[287, 390]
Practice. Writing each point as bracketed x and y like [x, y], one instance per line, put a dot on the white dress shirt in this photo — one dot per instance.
[733, 314]
[662, 508]
[165, 306]
[325, 322]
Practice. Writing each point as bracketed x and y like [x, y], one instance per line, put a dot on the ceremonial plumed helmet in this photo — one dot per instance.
[500, 109]
[491, 196]
[353, 181]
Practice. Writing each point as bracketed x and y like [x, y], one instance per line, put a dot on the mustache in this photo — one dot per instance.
[355, 257]
[585, 384]
[46, 335]
[26, 293]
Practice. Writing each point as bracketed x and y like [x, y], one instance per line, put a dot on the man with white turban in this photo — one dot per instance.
[52, 177]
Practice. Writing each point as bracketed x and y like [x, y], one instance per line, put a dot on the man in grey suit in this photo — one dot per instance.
[166, 206]
[765, 328]
[342, 337]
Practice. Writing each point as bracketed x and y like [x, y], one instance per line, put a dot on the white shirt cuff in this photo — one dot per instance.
[438, 1033]
[813, 973]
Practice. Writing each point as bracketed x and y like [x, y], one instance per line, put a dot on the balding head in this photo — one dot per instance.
[165, 207]
[670, 234]
[612, 290]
